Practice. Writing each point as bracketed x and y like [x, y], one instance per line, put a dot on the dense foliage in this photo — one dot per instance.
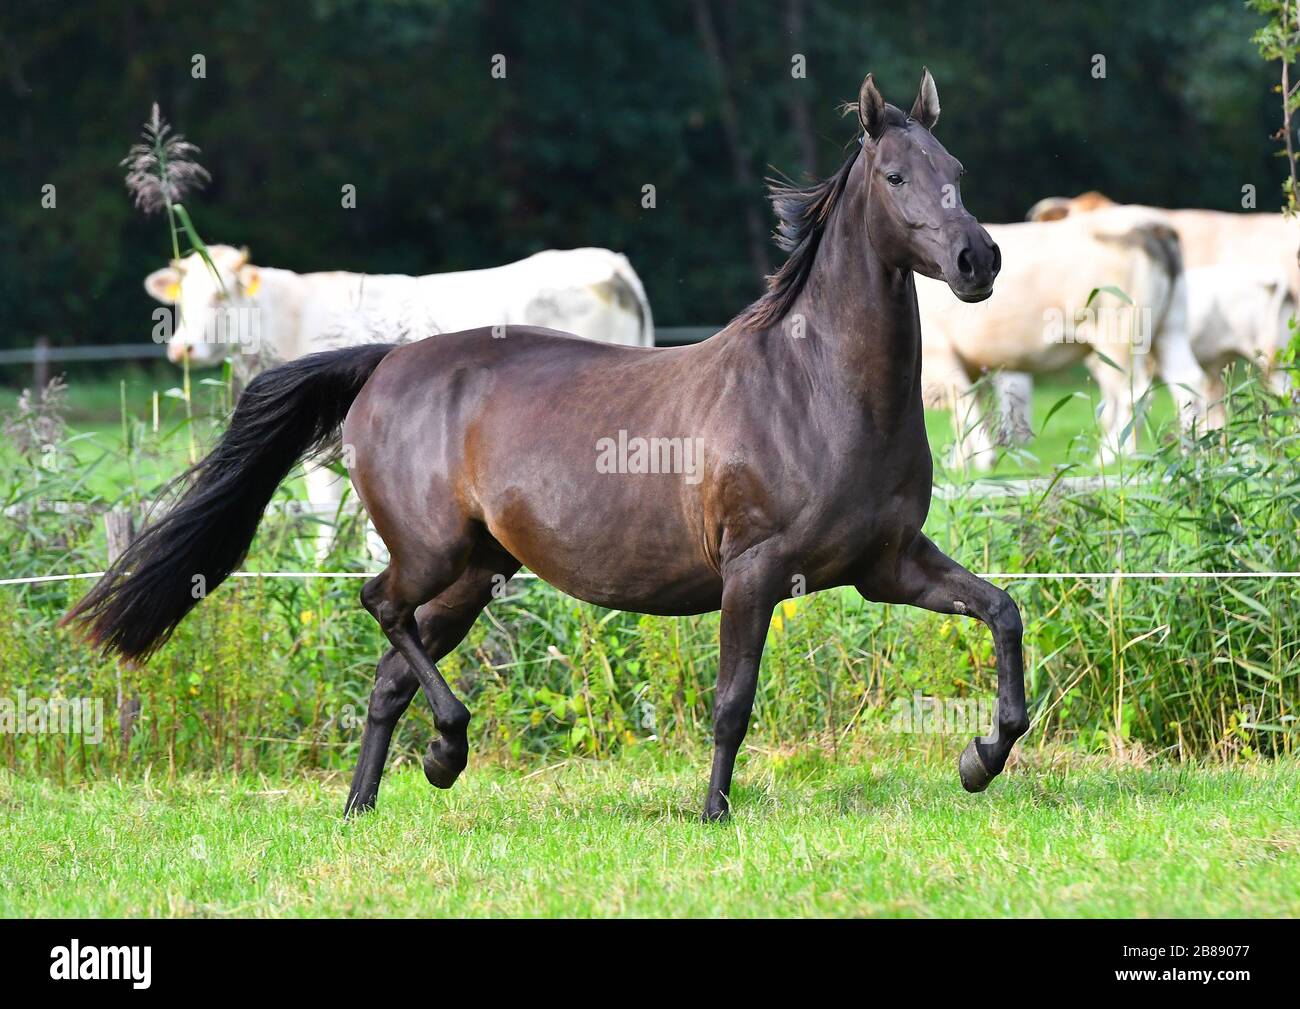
[274, 673]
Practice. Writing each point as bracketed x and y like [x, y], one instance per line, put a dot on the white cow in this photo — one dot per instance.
[1239, 311]
[1039, 319]
[260, 316]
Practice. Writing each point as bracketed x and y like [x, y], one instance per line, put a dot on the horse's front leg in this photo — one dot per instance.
[750, 591]
[927, 578]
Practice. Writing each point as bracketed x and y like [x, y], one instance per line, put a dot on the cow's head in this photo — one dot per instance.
[212, 309]
[1053, 208]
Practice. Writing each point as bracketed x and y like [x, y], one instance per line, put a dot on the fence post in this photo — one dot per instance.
[40, 366]
[119, 524]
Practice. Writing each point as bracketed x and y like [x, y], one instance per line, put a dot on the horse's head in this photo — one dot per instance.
[915, 217]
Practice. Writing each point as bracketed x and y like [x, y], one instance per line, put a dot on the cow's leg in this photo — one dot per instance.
[325, 494]
[751, 588]
[1014, 391]
[1120, 387]
[948, 387]
[375, 548]
[1182, 373]
[925, 577]
[1215, 391]
[974, 448]
[443, 623]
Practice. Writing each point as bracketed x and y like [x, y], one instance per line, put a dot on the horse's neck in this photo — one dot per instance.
[863, 315]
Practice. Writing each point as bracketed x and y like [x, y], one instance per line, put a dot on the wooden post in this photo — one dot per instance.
[40, 367]
[119, 524]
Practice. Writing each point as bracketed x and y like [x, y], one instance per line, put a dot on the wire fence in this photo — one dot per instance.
[44, 352]
[1012, 576]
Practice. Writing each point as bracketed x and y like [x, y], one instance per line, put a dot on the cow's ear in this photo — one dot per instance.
[250, 280]
[164, 285]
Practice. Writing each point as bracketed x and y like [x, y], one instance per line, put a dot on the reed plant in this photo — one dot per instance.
[272, 674]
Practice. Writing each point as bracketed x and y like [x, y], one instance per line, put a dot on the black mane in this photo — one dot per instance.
[801, 214]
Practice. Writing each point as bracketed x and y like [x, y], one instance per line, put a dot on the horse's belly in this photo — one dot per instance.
[657, 595]
[605, 550]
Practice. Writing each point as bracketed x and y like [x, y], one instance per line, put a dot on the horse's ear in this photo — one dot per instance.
[925, 110]
[871, 108]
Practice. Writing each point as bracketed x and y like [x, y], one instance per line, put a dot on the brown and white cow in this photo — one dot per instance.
[1243, 280]
[1104, 288]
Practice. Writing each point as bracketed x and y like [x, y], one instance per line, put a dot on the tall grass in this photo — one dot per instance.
[273, 674]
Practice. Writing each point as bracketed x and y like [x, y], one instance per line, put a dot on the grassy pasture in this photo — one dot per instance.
[888, 835]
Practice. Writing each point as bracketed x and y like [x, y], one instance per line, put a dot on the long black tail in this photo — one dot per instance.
[285, 414]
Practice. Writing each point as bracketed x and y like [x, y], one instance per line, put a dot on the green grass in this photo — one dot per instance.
[895, 836]
[271, 675]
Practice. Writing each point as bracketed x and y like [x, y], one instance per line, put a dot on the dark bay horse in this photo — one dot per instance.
[786, 454]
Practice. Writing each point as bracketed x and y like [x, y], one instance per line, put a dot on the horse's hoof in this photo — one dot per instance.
[440, 775]
[357, 805]
[975, 777]
[716, 809]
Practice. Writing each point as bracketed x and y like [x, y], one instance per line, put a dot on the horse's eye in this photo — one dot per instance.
[894, 179]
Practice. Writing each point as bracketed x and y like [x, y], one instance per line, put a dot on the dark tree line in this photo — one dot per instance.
[455, 168]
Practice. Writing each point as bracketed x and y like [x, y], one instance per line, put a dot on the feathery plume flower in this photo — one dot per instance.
[160, 172]
[161, 169]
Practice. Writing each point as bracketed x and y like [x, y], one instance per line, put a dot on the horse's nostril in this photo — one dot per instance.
[964, 264]
[997, 258]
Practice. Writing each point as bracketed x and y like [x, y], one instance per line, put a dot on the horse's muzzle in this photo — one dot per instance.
[977, 265]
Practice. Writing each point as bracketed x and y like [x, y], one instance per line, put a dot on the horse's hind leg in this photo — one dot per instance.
[443, 623]
[392, 598]
[925, 577]
[395, 686]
